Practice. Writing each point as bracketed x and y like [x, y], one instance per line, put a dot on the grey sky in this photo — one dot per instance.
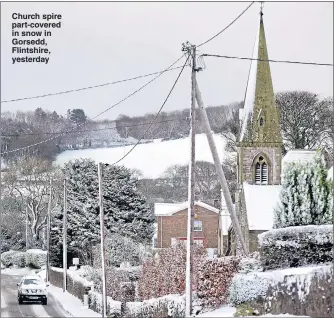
[103, 42]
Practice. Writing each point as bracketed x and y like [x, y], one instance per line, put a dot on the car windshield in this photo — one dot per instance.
[31, 281]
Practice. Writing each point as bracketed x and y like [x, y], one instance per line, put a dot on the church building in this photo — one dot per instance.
[259, 152]
[260, 164]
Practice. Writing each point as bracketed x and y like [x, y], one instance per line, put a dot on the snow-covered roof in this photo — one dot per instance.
[299, 155]
[246, 113]
[330, 174]
[168, 209]
[260, 203]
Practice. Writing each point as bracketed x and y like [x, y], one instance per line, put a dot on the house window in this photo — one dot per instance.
[261, 171]
[198, 226]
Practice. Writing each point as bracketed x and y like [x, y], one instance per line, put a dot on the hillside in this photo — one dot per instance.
[151, 159]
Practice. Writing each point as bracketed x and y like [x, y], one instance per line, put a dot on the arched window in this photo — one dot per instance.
[261, 171]
[261, 121]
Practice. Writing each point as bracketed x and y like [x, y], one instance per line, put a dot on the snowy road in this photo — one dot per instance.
[11, 308]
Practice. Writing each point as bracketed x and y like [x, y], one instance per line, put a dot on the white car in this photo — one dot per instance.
[32, 288]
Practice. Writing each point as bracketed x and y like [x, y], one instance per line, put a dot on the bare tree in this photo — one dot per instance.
[28, 181]
[304, 119]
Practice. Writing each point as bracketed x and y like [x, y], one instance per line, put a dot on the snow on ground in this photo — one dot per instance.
[151, 159]
[227, 311]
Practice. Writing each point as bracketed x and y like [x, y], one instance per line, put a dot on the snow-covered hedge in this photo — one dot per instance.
[214, 279]
[165, 274]
[296, 246]
[172, 306]
[113, 307]
[245, 288]
[35, 258]
[251, 264]
[13, 258]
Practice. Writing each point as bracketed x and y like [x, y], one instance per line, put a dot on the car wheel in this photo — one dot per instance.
[45, 301]
[20, 300]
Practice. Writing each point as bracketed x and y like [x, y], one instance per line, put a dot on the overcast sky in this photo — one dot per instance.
[103, 42]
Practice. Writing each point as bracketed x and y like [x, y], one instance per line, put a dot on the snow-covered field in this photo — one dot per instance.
[151, 159]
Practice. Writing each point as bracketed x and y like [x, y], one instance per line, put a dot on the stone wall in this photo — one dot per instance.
[299, 295]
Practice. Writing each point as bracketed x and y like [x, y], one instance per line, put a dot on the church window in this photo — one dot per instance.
[261, 121]
[261, 171]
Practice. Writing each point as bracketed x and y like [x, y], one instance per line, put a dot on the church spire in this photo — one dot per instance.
[260, 116]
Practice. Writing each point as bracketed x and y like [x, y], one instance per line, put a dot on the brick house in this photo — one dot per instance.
[172, 224]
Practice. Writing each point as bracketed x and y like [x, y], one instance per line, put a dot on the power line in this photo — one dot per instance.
[88, 87]
[91, 130]
[119, 81]
[226, 26]
[114, 105]
[162, 106]
[260, 60]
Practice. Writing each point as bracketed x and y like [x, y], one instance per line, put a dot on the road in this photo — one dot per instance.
[11, 308]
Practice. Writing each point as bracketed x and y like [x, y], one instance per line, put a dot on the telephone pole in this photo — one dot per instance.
[65, 237]
[27, 245]
[103, 258]
[48, 229]
[219, 169]
[191, 49]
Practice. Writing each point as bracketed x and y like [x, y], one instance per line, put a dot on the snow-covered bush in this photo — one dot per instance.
[252, 263]
[245, 288]
[120, 249]
[296, 246]
[115, 277]
[13, 258]
[172, 306]
[165, 274]
[113, 307]
[306, 196]
[214, 279]
[35, 258]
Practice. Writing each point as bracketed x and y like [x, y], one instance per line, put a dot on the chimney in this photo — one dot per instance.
[216, 203]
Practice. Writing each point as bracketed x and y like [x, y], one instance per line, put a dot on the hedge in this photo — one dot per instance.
[214, 278]
[35, 258]
[296, 246]
[13, 258]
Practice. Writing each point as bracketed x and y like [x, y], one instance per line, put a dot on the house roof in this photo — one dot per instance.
[299, 155]
[260, 203]
[168, 209]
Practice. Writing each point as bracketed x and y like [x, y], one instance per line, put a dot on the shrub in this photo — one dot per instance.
[306, 195]
[296, 246]
[120, 249]
[113, 307]
[35, 258]
[165, 274]
[251, 264]
[214, 279]
[13, 258]
[245, 288]
[172, 306]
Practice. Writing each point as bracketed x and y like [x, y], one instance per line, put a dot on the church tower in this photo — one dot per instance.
[259, 148]
[260, 143]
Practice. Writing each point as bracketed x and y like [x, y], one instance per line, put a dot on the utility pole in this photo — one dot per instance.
[48, 229]
[191, 184]
[65, 237]
[103, 258]
[219, 169]
[27, 245]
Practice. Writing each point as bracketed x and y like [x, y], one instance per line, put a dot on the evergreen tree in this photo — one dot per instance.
[126, 211]
[306, 196]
